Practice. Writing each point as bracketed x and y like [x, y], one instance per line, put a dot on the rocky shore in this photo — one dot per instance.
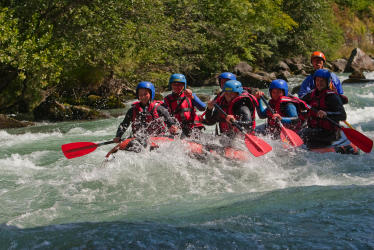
[114, 92]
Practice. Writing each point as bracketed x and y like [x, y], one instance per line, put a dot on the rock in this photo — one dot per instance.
[52, 110]
[354, 80]
[281, 66]
[357, 75]
[254, 80]
[7, 122]
[295, 90]
[296, 64]
[203, 97]
[339, 65]
[242, 68]
[359, 61]
[283, 75]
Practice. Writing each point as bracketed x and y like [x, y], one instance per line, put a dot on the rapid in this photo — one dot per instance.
[288, 198]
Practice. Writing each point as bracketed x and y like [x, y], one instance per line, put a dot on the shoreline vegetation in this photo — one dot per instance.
[69, 60]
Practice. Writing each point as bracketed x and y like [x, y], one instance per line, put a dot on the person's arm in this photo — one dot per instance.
[306, 86]
[291, 112]
[337, 84]
[196, 102]
[261, 110]
[212, 116]
[125, 123]
[162, 111]
[335, 108]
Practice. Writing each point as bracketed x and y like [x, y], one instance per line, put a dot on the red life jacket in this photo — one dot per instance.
[147, 119]
[249, 100]
[280, 106]
[182, 109]
[319, 102]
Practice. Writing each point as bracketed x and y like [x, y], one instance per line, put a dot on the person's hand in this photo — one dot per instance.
[258, 94]
[210, 104]
[230, 119]
[321, 114]
[276, 117]
[188, 93]
[117, 139]
[173, 130]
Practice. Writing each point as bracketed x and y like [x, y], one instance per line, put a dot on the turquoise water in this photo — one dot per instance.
[289, 198]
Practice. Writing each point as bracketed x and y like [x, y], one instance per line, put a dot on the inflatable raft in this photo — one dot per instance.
[196, 149]
[342, 146]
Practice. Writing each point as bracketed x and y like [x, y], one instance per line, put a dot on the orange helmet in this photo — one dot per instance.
[319, 55]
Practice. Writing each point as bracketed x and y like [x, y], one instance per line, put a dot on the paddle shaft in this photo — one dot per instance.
[271, 110]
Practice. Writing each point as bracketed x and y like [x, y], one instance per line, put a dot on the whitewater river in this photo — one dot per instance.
[289, 198]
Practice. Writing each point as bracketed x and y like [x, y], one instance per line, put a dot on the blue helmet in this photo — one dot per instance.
[323, 73]
[177, 78]
[146, 85]
[279, 84]
[233, 86]
[227, 75]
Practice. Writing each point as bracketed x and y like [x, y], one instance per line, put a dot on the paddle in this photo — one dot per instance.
[254, 144]
[77, 149]
[361, 141]
[287, 135]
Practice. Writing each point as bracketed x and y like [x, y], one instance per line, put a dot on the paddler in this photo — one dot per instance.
[145, 116]
[318, 59]
[238, 104]
[324, 102]
[287, 109]
[181, 104]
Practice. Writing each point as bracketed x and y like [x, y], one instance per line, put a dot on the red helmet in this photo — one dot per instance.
[319, 55]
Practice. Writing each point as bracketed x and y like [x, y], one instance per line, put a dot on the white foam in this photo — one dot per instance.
[18, 163]
[369, 75]
[12, 139]
[359, 115]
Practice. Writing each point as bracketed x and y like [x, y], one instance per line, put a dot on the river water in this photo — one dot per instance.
[163, 199]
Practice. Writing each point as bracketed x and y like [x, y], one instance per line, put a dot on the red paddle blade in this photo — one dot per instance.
[256, 145]
[361, 141]
[290, 136]
[77, 149]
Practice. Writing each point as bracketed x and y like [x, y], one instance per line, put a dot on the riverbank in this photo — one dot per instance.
[91, 106]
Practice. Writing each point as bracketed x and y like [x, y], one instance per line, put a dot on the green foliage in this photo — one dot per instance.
[74, 47]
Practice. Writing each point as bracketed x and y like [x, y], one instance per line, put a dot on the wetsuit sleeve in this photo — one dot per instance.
[337, 84]
[196, 102]
[162, 111]
[125, 123]
[291, 112]
[306, 86]
[211, 117]
[335, 107]
[261, 110]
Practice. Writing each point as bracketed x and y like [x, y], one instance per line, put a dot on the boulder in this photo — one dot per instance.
[203, 97]
[242, 68]
[283, 75]
[359, 61]
[339, 65]
[52, 110]
[295, 90]
[281, 66]
[357, 75]
[254, 80]
[7, 122]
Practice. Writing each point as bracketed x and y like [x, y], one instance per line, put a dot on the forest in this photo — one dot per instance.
[76, 50]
